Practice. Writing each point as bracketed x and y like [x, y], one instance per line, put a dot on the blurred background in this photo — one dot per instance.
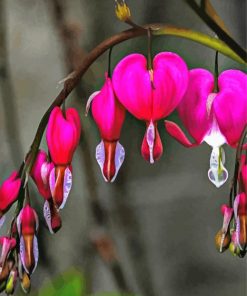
[154, 227]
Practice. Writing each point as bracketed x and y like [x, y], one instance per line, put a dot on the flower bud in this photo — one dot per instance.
[122, 11]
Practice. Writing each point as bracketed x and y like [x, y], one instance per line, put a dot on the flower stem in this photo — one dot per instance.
[109, 61]
[216, 73]
[150, 59]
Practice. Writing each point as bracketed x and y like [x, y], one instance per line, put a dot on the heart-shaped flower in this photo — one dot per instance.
[213, 117]
[109, 116]
[150, 94]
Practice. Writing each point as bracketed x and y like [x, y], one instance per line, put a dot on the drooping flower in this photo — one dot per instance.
[63, 135]
[40, 174]
[109, 116]
[27, 225]
[150, 95]
[213, 117]
[9, 191]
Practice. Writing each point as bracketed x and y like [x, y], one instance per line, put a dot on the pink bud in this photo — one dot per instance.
[41, 172]
[63, 135]
[27, 224]
[9, 191]
[109, 116]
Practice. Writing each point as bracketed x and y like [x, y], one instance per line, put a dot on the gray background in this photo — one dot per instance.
[163, 217]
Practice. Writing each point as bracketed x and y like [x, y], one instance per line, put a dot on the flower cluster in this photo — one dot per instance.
[52, 175]
[212, 116]
[149, 90]
[233, 234]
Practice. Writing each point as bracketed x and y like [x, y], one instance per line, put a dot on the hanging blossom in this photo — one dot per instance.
[109, 116]
[40, 173]
[27, 226]
[63, 135]
[213, 117]
[150, 94]
[9, 191]
[233, 234]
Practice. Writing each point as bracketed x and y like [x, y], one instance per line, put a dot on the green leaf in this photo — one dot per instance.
[71, 282]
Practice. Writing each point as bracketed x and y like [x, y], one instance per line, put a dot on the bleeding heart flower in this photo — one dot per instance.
[109, 116]
[215, 118]
[63, 135]
[7, 244]
[150, 95]
[9, 191]
[40, 174]
[27, 225]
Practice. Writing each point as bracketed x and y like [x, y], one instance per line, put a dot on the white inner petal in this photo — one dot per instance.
[214, 137]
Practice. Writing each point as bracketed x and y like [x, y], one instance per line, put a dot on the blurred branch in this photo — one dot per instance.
[7, 92]
[100, 236]
[211, 18]
[209, 9]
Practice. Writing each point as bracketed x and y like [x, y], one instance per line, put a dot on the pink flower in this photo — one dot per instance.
[27, 225]
[150, 95]
[215, 118]
[41, 175]
[7, 244]
[109, 116]
[41, 172]
[63, 135]
[9, 191]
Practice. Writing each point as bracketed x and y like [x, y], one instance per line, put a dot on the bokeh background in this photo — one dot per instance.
[162, 217]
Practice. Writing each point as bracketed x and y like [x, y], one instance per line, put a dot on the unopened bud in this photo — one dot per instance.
[122, 11]
[222, 241]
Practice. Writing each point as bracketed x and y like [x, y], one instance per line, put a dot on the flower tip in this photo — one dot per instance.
[122, 11]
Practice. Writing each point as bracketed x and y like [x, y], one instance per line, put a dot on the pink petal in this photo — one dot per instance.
[63, 135]
[170, 83]
[9, 191]
[193, 109]
[40, 174]
[175, 131]
[132, 85]
[152, 148]
[108, 113]
[230, 105]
